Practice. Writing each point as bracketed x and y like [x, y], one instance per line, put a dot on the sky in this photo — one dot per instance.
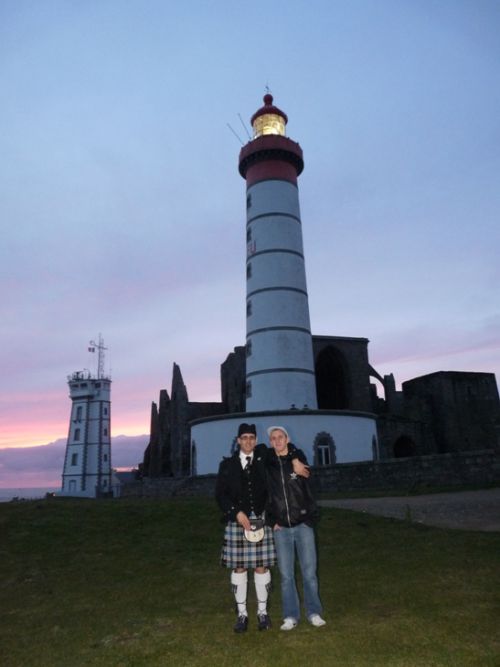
[122, 211]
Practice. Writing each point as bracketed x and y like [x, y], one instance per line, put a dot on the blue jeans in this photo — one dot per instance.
[299, 537]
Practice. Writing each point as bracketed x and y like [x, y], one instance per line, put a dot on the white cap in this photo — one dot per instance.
[277, 428]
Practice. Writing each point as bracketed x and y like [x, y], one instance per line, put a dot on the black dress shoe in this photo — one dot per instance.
[241, 624]
[264, 622]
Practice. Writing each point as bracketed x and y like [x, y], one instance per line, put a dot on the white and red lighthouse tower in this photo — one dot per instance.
[280, 371]
[280, 365]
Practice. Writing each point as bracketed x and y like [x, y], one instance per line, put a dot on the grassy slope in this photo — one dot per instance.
[137, 583]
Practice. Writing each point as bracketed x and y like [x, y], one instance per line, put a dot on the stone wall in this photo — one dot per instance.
[171, 487]
[478, 468]
[393, 429]
[464, 408]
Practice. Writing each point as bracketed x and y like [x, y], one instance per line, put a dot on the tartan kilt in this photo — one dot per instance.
[239, 552]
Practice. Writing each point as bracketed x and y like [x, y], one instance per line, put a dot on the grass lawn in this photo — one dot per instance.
[138, 583]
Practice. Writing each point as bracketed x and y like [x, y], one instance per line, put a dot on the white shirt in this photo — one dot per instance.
[243, 459]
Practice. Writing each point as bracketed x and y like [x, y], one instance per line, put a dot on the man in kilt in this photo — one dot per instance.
[241, 494]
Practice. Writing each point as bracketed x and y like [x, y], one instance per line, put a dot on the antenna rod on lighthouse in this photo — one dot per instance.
[233, 131]
[245, 127]
[100, 356]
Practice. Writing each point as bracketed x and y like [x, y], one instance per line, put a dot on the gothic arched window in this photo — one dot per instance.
[324, 450]
[332, 380]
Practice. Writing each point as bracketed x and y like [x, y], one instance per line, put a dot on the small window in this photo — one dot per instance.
[249, 201]
[79, 412]
[323, 455]
[249, 348]
[105, 411]
[74, 459]
[105, 431]
[249, 234]
[249, 270]
[324, 450]
[83, 385]
[97, 385]
[249, 389]
[249, 308]
[105, 457]
[77, 434]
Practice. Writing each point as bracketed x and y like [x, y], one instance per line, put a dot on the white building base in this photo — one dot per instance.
[352, 435]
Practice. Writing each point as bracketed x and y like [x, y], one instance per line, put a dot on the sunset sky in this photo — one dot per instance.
[122, 210]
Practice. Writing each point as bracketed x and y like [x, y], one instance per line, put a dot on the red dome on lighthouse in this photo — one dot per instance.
[269, 108]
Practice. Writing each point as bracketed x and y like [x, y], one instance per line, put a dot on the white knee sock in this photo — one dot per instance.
[239, 584]
[262, 587]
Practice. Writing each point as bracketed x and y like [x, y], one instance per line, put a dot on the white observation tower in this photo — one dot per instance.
[87, 463]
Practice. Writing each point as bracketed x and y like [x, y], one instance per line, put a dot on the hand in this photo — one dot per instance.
[243, 520]
[300, 468]
[276, 526]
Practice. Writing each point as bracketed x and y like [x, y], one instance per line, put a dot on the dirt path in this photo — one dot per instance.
[465, 510]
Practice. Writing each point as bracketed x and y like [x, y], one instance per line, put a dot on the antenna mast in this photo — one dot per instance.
[100, 356]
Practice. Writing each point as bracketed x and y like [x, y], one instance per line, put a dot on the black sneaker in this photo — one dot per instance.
[264, 622]
[241, 624]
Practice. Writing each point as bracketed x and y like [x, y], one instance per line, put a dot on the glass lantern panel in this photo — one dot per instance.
[269, 123]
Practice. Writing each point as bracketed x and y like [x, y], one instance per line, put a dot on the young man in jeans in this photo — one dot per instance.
[292, 511]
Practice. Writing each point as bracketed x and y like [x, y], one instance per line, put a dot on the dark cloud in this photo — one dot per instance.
[19, 466]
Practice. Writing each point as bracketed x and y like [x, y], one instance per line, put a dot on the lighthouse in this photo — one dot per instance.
[87, 463]
[279, 359]
[280, 377]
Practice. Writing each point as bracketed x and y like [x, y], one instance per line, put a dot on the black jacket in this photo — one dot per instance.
[290, 500]
[231, 490]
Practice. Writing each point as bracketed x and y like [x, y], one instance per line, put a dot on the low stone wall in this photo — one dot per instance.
[474, 468]
[171, 487]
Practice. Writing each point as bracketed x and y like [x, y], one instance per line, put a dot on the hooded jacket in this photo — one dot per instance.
[290, 501]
